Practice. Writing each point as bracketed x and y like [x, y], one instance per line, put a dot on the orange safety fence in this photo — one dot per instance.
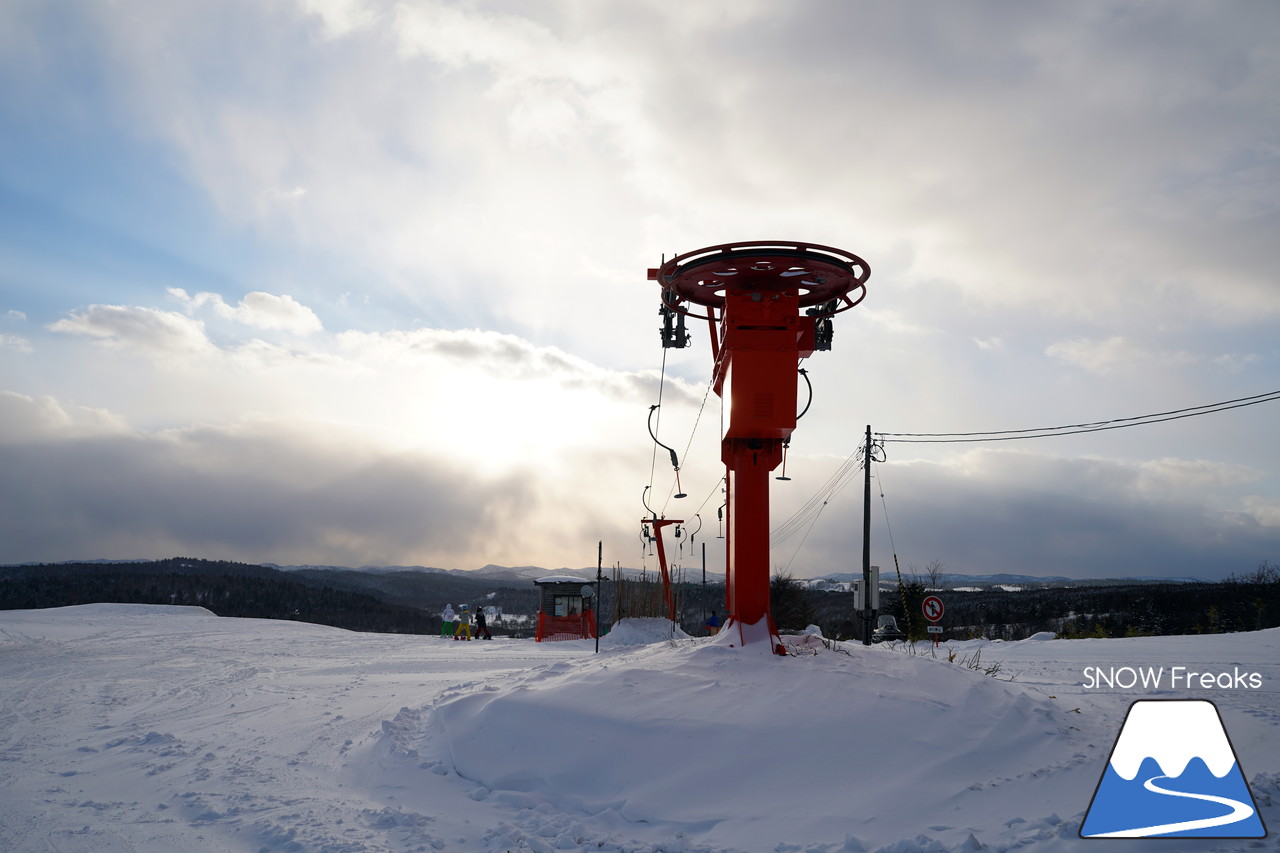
[580, 626]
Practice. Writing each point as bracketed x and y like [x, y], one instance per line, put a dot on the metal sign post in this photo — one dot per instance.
[933, 610]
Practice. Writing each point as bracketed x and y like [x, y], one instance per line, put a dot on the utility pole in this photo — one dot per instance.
[866, 540]
[599, 578]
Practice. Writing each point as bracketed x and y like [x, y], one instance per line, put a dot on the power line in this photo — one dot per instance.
[1076, 429]
[804, 518]
[814, 506]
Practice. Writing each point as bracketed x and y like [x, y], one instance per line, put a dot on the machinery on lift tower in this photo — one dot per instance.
[753, 294]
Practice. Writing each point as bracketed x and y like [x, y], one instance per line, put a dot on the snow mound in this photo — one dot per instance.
[1042, 635]
[696, 735]
[640, 631]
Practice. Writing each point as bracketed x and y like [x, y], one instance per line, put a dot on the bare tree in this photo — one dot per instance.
[933, 574]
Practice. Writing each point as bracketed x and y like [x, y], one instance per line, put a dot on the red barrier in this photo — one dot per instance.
[580, 626]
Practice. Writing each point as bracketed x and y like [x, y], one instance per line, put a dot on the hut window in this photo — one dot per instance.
[568, 605]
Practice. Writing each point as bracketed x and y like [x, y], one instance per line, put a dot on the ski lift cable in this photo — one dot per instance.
[828, 488]
[814, 505]
[832, 487]
[834, 484]
[709, 494]
[706, 395]
[662, 381]
[1076, 429]
[814, 521]
[837, 485]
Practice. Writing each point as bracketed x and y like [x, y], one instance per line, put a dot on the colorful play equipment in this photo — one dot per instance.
[753, 295]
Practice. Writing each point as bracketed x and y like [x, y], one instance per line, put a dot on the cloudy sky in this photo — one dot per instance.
[359, 282]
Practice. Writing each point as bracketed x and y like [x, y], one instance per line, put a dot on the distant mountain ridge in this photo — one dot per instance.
[532, 573]
[957, 579]
[490, 571]
[948, 579]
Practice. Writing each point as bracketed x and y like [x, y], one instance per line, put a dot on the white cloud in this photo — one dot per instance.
[341, 17]
[258, 309]
[1016, 155]
[507, 356]
[268, 311]
[285, 195]
[26, 419]
[1263, 511]
[1114, 354]
[892, 320]
[1235, 362]
[160, 333]
[1163, 478]
[14, 342]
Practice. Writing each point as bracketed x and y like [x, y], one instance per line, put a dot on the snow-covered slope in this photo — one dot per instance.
[149, 729]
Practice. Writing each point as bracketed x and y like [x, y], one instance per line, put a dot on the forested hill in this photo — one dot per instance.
[400, 602]
[411, 601]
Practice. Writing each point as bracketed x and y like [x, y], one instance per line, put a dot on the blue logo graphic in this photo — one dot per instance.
[1172, 774]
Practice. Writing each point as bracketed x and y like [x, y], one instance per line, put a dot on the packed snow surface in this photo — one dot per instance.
[161, 729]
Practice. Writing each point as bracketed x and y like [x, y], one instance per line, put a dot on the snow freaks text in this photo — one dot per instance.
[1174, 677]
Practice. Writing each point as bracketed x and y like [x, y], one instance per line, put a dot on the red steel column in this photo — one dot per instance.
[748, 558]
[757, 380]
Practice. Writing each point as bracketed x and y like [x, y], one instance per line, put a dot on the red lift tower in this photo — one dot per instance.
[753, 294]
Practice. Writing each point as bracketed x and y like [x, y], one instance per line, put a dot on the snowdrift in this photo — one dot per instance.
[694, 736]
[641, 631]
[155, 729]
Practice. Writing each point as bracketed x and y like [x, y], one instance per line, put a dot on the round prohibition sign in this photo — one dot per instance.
[932, 608]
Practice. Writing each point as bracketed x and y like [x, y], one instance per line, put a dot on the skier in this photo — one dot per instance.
[447, 628]
[713, 624]
[463, 631]
[482, 626]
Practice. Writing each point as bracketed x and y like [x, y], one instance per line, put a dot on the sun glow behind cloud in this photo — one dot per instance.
[409, 241]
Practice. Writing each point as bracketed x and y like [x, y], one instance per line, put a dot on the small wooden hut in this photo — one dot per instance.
[566, 611]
